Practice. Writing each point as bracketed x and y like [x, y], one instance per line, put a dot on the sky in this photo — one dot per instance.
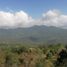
[26, 13]
[33, 7]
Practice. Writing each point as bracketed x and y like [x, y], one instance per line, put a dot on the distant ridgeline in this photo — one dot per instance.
[35, 34]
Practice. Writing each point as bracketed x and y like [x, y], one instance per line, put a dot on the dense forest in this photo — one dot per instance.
[33, 56]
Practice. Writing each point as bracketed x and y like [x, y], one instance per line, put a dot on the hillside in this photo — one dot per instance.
[35, 34]
[40, 56]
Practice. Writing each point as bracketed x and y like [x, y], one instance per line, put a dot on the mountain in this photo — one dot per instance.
[35, 34]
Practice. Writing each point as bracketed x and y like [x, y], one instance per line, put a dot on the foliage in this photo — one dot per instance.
[33, 56]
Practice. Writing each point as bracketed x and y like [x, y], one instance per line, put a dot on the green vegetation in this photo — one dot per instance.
[35, 34]
[33, 56]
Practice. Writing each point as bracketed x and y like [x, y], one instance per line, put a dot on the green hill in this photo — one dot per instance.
[35, 34]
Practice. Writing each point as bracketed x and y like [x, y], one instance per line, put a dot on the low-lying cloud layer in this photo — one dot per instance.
[14, 20]
[54, 18]
[22, 19]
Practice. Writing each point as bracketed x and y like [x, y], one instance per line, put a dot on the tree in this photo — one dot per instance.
[62, 59]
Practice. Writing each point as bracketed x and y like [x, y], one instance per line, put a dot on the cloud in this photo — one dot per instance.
[14, 20]
[53, 18]
[22, 19]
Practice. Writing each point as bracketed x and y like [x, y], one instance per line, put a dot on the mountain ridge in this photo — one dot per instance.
[35, 34]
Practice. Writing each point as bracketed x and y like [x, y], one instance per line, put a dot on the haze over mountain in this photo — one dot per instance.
[35, 34]
[19, 27]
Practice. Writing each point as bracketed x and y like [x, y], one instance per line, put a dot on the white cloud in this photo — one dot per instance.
[22, 19]
[53, 18]
[13, 20]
